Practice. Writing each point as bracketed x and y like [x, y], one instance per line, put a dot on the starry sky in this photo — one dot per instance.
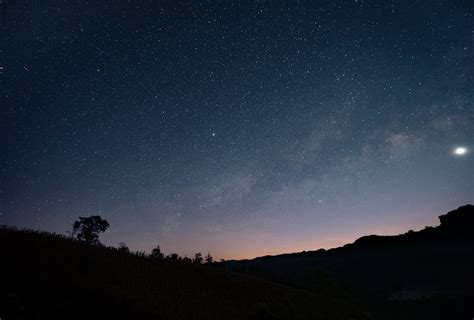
[242, 128]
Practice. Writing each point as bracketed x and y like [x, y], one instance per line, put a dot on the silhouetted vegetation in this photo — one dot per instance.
[157, 254]
[187, 260]
[197, 258]
[208, 258]
[173, 257]
[48, 276]
[87, 229]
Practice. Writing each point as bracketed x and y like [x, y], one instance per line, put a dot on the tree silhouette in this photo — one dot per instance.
[197, 258]
[173, 257]
[157, 254]
[87, 229]
[187, 260]
[208, 258]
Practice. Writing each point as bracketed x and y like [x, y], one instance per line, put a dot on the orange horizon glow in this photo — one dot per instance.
[250, 246]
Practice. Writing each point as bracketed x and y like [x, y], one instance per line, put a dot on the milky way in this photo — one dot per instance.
[239, 128]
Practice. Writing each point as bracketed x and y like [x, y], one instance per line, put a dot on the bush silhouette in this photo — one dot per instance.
[87, 229]
[157, 254]
[173, 257]
[197, 258]
[208, 259]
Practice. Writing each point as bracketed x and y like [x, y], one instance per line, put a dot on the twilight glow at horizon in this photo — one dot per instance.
[238, 129]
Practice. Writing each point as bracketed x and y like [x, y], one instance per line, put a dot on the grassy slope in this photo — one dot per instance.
[47, 276]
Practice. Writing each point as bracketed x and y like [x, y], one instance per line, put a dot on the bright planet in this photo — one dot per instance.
[460, 151]
[241, 128]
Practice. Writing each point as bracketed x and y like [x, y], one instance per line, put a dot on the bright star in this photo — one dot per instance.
[460, 151]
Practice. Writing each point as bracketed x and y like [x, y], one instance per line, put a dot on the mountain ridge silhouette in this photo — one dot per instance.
[460, 219]
[433, 263]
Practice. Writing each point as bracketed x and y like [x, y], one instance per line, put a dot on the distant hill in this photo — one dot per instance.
[46, 276]
[425, 274]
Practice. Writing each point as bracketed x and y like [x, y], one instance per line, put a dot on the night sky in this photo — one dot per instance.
[242, 128]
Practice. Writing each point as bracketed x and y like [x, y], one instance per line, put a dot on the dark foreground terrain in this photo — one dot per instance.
[418, 275]
[47, 276]
[427, 274]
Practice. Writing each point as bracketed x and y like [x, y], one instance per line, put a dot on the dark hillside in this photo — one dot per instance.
[47, 276]
[431, 269]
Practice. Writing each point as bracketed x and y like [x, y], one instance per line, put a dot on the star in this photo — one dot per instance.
[282, 132]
